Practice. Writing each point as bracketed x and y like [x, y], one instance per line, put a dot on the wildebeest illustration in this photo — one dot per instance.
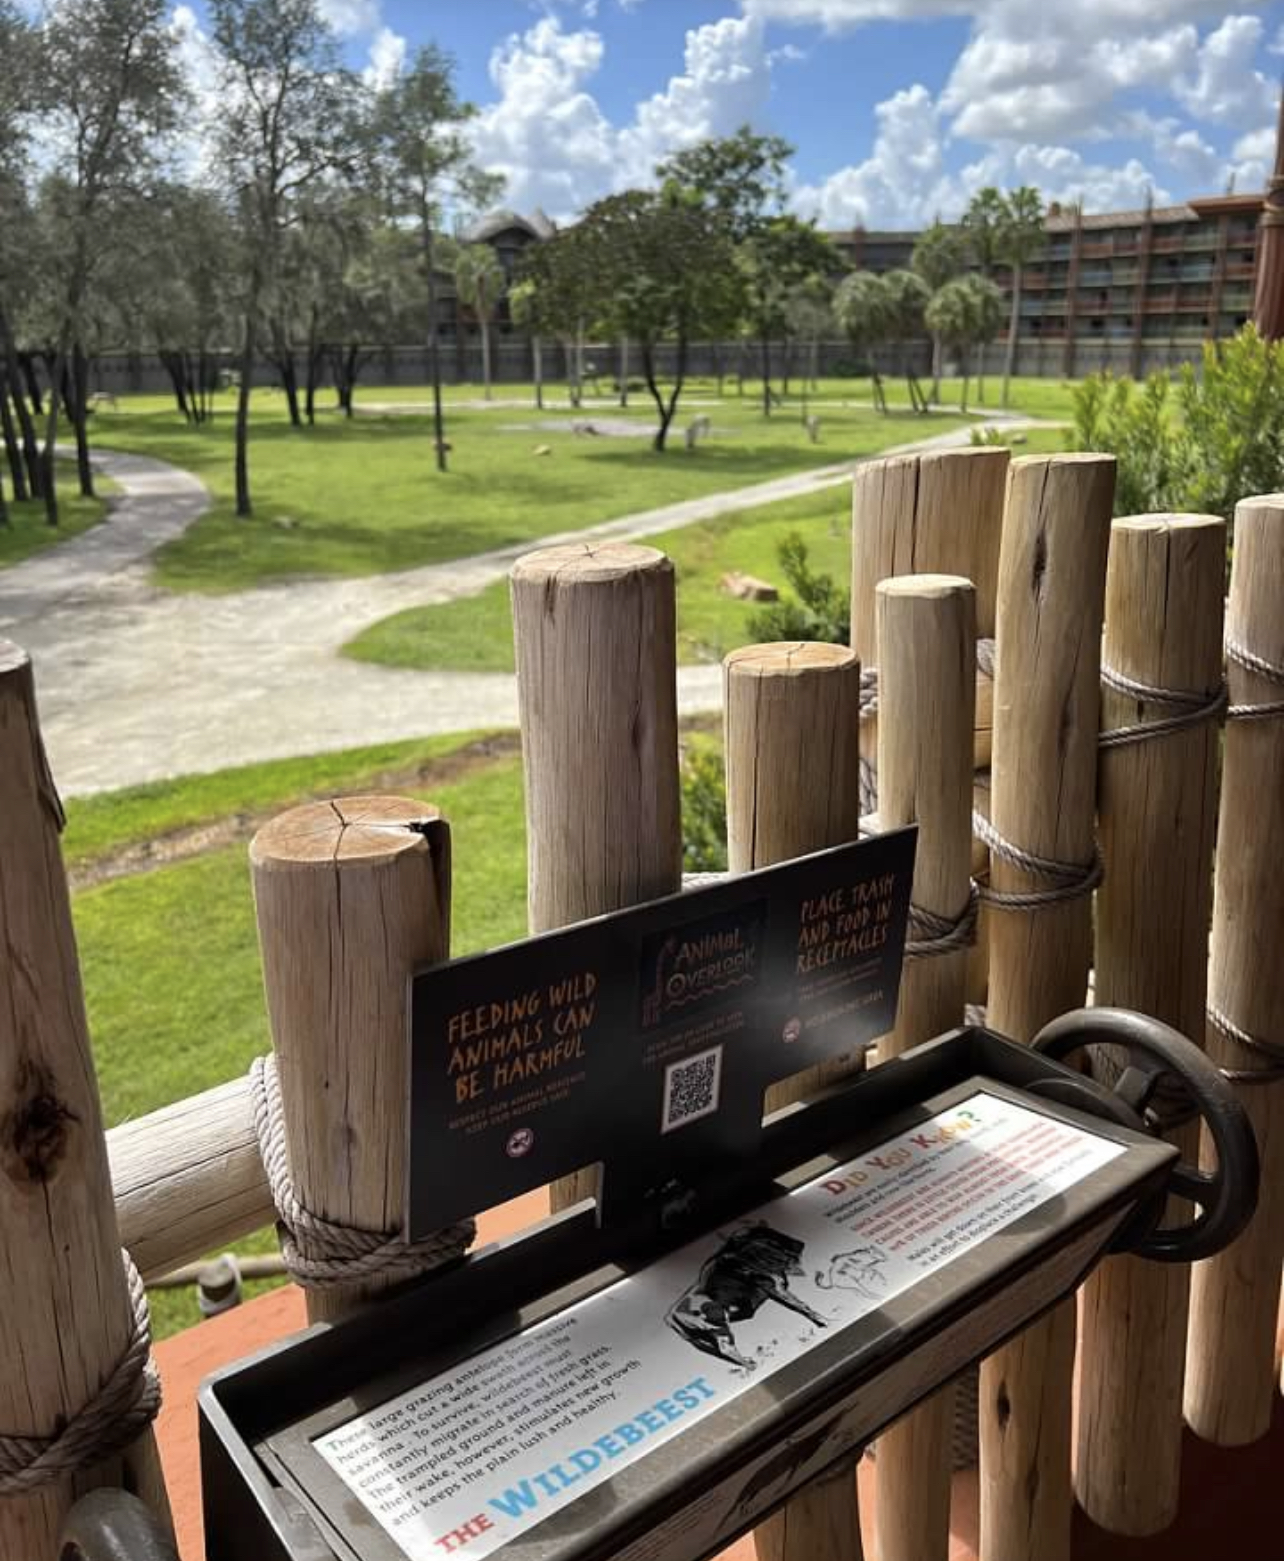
[860, 1270]
[750, 1268]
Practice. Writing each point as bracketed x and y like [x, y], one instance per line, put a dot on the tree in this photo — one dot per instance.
[962, 313]
[422, 160]
[17, 101]
[663, 272]
[524, 306]
[564, 289]
[938, 258]
[987, 315]
[1021, 238]
[479, 281]
[984, 225]
[809, 317]
[773, 263]
[863, 308]
[907, 299]
[286, 124]
[741, 180]
[108, 87]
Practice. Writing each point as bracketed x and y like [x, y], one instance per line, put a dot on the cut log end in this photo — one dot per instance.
[931, 586]
[790, 658]
[13, 659]
[588, 563]
[348, 829]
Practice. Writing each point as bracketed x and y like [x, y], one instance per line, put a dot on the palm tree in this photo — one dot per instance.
[524, 305]
[938, 259]
[479, 280]
[907, 298]
[863, 310]
[1022, 239]
[984, 224]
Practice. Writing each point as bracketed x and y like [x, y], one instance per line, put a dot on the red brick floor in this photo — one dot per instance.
[1232, 1499]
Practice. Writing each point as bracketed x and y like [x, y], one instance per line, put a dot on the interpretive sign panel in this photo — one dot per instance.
[645, 1040]
[471, 1460]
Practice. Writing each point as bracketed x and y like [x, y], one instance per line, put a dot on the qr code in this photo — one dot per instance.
[691, 1089]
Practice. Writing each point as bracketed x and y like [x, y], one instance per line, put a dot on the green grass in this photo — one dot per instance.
[110, 821]
[170, 956]
[475, 633]
[27, 532]
[363, 497]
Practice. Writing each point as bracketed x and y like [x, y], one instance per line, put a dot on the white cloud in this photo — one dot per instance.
[1226, 89]
[549, 137]
[350, 17]
[387, 56]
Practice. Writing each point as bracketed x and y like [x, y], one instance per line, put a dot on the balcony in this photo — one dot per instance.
[1169, 243]
[1202, 238]
[1125, 276]
[1200, 272]
[1097, 251]
[1240, 273]
[1161, 302]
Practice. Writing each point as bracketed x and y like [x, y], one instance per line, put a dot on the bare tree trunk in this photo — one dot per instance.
[244, 508]
[434, 346]
[12, 451]
[1014, 326]
[936, 366]
[485, 336]
[33, 383]
[79, 409]
[765, 347]
[56, 368]
[623, 374]
[538, 369]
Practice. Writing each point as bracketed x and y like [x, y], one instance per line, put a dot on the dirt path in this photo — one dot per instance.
[139, 684]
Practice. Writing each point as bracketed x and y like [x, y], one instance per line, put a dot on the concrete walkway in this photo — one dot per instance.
[138, 684]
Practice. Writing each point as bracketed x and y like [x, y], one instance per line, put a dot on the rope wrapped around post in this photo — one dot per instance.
[126, 1404]
[319, 1252]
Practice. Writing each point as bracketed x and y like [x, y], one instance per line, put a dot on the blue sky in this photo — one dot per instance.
[899, 109]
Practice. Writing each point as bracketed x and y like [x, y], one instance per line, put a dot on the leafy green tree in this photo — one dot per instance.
[663, 273]
[809, 318]
[287, 123]
[939, 256]
[566, 288]
[987, 316]
[907, 299]
[864, 310]
[984, 225]
[423, 162]
[523, 305]
[741, 180]
[479, 280]
[773, 263]
[1022, 237]
[108, 87]
[17, 104]
[961, 313]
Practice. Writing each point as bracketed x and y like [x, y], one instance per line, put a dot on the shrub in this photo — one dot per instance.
[818, 609]
[704, 810]
[1202, 444]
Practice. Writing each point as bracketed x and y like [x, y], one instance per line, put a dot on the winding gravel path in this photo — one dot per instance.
[138, 684]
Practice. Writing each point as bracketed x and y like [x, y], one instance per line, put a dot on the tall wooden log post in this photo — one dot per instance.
[595, 628]
[940, 513]
[1052, 575]
[927, 690]
[350, 896]
[1230, 1379]
[66, 1319]
[1156, 808]
[792, 720]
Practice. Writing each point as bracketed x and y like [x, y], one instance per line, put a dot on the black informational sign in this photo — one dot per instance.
[644, 1041]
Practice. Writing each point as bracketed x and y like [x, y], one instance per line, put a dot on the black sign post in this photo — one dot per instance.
[644, 1041]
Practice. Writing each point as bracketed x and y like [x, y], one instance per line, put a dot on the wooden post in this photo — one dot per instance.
[927, 686]
[595, 628]
[66, 1319]
[1156, 806]
[1230, 1378]
[792, 718]
[1051, 588]
[939, 513]
[351, 896]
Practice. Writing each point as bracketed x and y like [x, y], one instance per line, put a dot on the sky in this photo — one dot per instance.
[898, 109]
